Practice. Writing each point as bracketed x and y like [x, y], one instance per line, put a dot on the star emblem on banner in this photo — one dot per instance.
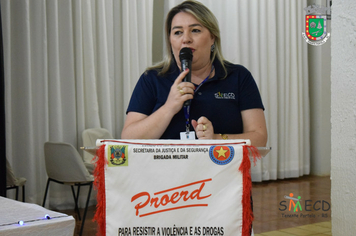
[221, 153]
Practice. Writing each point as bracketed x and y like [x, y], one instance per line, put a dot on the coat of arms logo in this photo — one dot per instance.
[117, 155]
[315, 25]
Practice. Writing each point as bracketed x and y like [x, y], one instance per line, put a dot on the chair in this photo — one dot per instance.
[89, 137]
[64, 165]
[13, 182]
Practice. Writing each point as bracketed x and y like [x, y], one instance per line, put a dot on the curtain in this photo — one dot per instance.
[69, 65]
[265, 37]
[72, 65]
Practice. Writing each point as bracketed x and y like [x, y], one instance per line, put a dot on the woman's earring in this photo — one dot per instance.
[212, 48]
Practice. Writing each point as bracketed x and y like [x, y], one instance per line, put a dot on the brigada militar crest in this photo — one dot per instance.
[315, 25]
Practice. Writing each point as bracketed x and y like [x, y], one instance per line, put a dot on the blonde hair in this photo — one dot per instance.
[206, 18]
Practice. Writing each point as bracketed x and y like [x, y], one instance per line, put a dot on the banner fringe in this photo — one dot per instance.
[99, 185]
[245, 168]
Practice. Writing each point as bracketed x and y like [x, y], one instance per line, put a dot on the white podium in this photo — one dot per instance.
[174, 187]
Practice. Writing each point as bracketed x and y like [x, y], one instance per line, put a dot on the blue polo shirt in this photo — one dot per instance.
[219, 100]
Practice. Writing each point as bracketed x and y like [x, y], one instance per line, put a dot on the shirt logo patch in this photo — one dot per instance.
[220, 95]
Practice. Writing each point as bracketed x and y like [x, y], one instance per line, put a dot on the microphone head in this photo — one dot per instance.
[185, 54]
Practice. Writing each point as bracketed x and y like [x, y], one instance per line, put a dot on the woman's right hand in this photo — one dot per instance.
[141, 126]
[179, 93]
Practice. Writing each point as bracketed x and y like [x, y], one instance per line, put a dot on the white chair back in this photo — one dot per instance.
[11, 179]
[89, 140]
[13, 182]
[64, 163]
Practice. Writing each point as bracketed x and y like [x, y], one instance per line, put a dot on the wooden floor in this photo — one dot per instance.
[271, 208]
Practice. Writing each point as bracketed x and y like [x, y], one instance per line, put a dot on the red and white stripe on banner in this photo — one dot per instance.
[174, 187]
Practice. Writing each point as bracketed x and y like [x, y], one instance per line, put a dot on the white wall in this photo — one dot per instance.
[320, 111]
[319, 91]
[343, 117]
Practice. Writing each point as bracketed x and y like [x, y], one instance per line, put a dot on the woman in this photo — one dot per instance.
[225, 101]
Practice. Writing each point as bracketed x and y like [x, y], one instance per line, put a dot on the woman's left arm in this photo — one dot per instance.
[254, 128]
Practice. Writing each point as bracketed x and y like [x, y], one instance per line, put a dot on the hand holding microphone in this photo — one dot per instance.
[181, 91]
[185, 57]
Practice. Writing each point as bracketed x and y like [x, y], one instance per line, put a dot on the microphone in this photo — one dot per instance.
[185, 57]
